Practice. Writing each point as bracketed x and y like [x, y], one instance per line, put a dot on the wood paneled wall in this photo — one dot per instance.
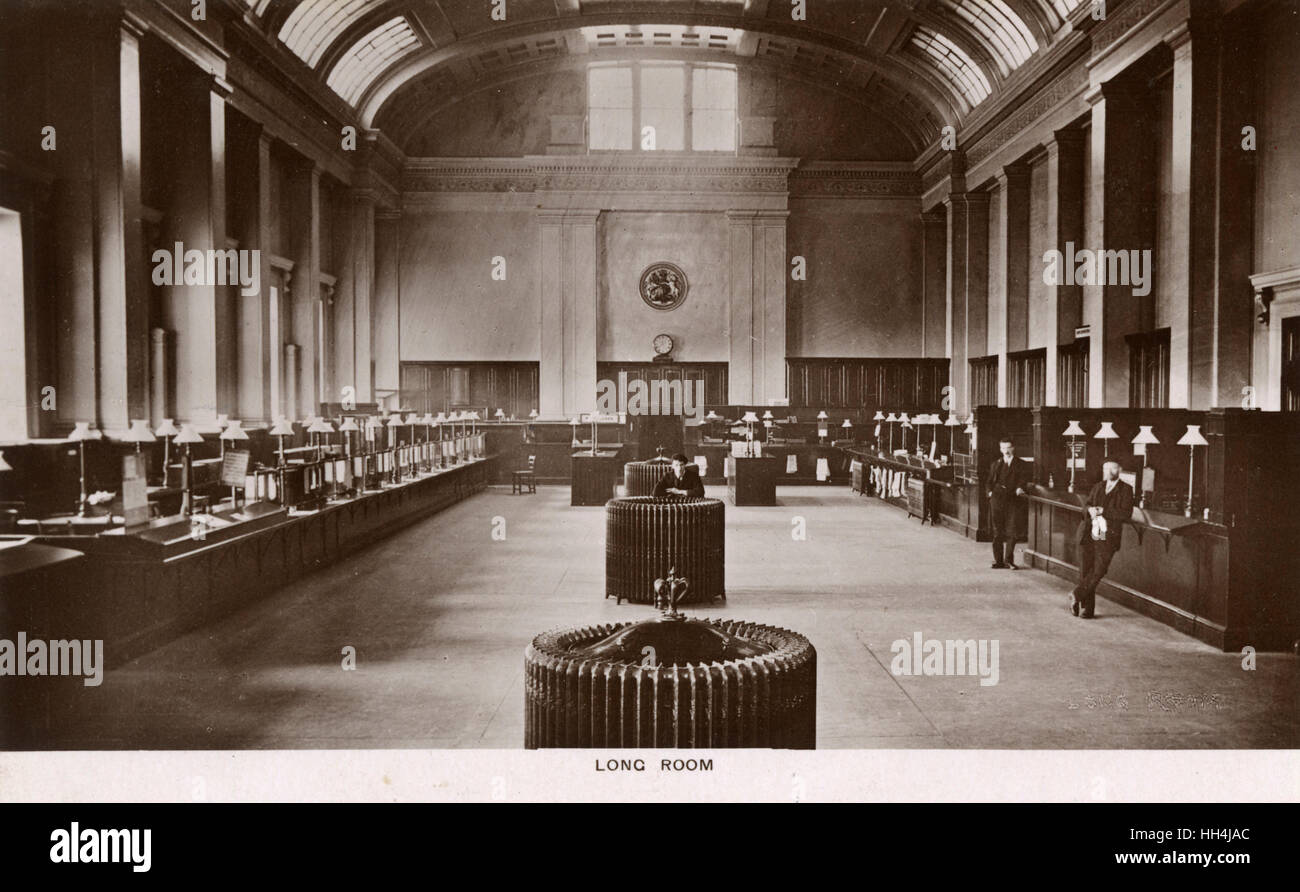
[713, 374]
[908, 385]
[443, 386]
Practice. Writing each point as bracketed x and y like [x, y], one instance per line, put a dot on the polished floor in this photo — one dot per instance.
[439, 615]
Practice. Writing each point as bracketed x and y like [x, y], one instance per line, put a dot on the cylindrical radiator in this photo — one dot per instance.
[640, 477]
[645, 538]
[574, 700]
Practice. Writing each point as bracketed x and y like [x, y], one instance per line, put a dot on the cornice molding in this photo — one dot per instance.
[1073, 80]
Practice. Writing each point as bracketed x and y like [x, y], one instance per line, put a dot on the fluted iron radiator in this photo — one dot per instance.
[640, 477]
[645, 538]
[575, 700]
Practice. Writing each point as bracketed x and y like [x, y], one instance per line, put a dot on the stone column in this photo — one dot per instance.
[1193, 216]
[569, 256]
[121, 282]
[968, 283]
[1065, 224]
[1120, 218]
[387, 303]
[357, 327]
[934, 247]
[254, 313]
[1013, 229]
[756, 370]
[305, 207]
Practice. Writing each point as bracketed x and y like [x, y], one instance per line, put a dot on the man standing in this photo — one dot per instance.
[1100, 534]
[682, 480]
[1008, 478]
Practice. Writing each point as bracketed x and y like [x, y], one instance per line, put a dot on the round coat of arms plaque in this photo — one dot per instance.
[663, 285]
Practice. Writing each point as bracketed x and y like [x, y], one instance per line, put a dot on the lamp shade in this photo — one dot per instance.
[575, 420]
[309, 421]
[902, 416]
[847, 424]
[4, 465]
[970, 428]
[500, 413]
[395, 420]
[821, 416]
[282, 428]
[349, 425]
[441, 418]
[532, 413]
[751, 418]
[373, 424]
[166, 429]
[1144, 436]
[767, 416]
[83, 431]
[891, 419]
[1193, 437]
[1073, 430]
[321, 427]
[1107, 432]
[472, 416]
[879, 416]
[188, 435]
[712, 416]
[139, 432]
[952, 421]
[234, 432]
[223, 420]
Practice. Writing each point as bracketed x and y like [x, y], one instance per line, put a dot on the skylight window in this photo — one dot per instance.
[1003, 32]
[315, 24]
[369, 56]
[1065, 7]
[956, 67]
[676, 36]
[258, 6]
[654, 106]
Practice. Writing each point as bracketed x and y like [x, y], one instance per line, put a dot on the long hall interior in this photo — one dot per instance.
[835, 374]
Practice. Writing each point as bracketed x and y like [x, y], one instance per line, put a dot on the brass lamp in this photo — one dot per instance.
[187, 437]
[80, 434]
[1072, 430]
[750, 420]
[1145, 438]
[1191, 440]
[1106, 433]
[952, 424]
[166, 430]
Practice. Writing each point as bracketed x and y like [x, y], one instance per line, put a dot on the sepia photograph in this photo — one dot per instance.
[686, 400]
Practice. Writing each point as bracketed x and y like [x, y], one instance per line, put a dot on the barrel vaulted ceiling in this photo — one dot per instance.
[921, 64]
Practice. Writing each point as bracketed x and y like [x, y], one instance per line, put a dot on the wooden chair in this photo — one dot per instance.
[524, 479]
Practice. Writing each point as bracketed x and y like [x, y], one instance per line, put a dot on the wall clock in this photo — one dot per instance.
[663, 285]
[663, 345]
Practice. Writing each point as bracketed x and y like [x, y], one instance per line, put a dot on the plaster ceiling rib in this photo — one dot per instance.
[929, 87]
[1039, 17]
[948, 26]
[433, 94]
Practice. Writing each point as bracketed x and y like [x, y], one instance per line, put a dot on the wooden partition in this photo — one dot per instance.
[443, 386]
[890, 385]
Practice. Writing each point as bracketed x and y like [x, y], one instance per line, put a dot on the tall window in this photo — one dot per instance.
[1072, 374]
[1027, 378]
[661, 107]
[983, 381]
[1148, 369]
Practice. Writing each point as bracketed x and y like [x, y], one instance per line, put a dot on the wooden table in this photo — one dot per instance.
[595, 477]
[753, 481]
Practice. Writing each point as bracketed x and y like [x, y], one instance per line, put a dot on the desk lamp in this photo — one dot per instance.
[750, 420]
[1106, 434]
[166, 430]
[1144, 439]
[500, 415]
[438, 422]
[890, 420]
[821, 426]
[394, 467]
[187, 436]
[80, 434]
[139, 433]
[347, 429]
[471, 445]
[426, 454]
[952, 424]
[281, 429]
[848, 429]
[1072, 430]
[1191, 440]
[906, 425]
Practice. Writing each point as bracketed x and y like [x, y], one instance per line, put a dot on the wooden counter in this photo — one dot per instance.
[142, 588]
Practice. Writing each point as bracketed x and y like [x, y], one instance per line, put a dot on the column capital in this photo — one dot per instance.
[1066, 138]
[1180, 39]
[1016, 174]
[1112, 90]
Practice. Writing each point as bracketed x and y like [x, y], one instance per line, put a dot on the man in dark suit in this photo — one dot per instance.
[1109, 504]
[1008, 477]
[682, 479]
